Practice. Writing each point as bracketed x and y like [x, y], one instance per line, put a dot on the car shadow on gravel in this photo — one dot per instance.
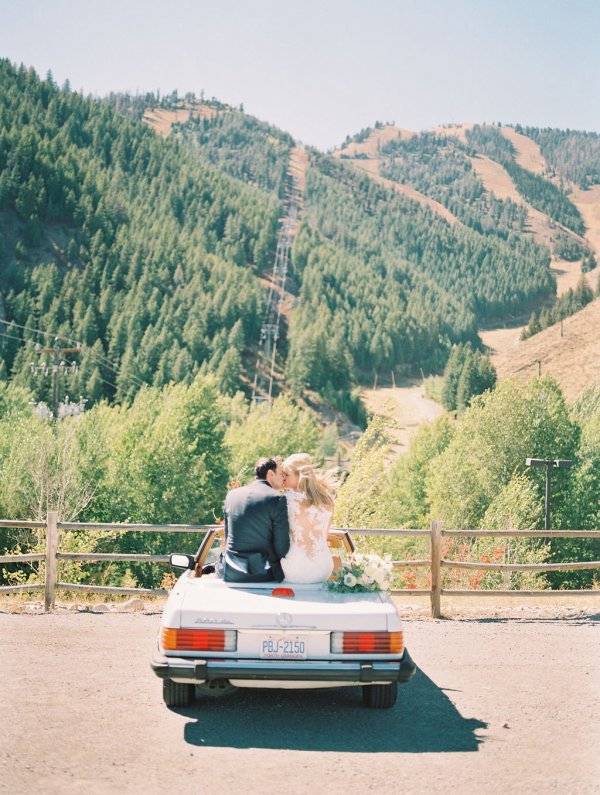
[423, 720]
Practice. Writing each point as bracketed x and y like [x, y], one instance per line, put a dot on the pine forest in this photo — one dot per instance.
[145, 258]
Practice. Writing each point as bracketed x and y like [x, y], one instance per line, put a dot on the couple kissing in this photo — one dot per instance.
[276, 527]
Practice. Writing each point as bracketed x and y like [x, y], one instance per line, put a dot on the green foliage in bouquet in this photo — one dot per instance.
[362, 573]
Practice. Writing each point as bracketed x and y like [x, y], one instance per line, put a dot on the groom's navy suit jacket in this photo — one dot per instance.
[257, 534]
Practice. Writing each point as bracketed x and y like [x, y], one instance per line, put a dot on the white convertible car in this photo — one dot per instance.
[215, 635]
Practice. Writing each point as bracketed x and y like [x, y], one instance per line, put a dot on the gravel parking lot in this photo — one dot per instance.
[504, 704]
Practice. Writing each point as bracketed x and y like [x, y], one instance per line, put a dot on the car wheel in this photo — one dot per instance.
[176, 694]
[380, 696]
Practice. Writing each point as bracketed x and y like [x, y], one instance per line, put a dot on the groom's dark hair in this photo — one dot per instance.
[263, 465]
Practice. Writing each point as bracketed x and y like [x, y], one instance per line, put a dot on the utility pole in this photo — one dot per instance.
[549, 463]
[57, 364]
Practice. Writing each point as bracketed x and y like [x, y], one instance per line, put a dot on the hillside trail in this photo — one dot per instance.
[529, 155]
[364, 155]
[162, 120]
[405, 404]
[503, 342]
[543, 229]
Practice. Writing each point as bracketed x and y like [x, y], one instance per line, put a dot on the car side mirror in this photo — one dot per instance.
[180, 561]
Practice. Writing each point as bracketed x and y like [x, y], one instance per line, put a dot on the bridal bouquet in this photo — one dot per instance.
[363, 573]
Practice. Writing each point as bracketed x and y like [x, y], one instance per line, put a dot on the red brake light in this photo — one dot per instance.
[367, 642]
[289, 592]
[198, 639]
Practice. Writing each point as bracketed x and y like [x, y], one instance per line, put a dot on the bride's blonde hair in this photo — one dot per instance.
[317, 486]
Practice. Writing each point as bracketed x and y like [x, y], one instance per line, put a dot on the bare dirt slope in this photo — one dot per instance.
[456, 130]
[501, 340]
[377, 137]
[496, 180]
[529, 156]
[407, 405]
[588, 204]
[369, 162]
[298, 166]
[161, 120]
[371, 167]
[497, 706]
[572, 359]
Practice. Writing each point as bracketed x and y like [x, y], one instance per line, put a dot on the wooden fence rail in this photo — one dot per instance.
[435, 562]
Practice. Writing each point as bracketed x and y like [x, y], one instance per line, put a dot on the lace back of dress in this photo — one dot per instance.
[309, 525]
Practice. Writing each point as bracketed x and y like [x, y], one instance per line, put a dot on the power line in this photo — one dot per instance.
[102, 360]
[39, 331]
[11, 337]
[270, 329]
[104, 381]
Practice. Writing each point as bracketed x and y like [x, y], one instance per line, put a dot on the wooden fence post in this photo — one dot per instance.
[51, 547]
[436, 569]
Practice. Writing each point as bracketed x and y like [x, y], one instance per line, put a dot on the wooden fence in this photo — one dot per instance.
[435, 562]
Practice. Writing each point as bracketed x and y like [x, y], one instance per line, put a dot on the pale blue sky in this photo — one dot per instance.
[321, 70]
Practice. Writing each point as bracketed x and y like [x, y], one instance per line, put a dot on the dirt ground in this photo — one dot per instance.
[406, 404]
[501, 704]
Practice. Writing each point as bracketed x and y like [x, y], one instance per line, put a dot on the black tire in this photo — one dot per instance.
[380, 696]
[176, 694]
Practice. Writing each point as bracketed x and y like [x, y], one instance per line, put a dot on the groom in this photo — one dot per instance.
[257, 530]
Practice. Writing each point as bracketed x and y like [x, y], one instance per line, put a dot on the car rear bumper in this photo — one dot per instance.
[357, 671]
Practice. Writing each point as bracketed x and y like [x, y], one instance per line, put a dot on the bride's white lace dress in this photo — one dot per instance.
[309, 558]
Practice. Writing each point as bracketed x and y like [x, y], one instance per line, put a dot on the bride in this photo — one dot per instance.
[309, 495]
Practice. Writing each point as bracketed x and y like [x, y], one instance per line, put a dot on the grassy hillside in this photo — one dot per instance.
[567, 350]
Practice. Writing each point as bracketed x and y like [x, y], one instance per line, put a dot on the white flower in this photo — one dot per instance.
[358, 558]
[350, 580]
[381, 580]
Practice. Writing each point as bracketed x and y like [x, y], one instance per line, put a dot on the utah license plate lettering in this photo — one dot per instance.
[283, 647]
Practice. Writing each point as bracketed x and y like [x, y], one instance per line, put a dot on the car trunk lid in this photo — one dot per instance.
[218, 604]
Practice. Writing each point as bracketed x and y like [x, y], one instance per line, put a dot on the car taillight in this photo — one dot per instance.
[367, 643]
[198, 639]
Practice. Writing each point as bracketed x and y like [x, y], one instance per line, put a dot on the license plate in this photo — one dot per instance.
[283, 647]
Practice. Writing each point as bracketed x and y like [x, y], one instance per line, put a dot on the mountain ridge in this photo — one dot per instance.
[386, 279]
